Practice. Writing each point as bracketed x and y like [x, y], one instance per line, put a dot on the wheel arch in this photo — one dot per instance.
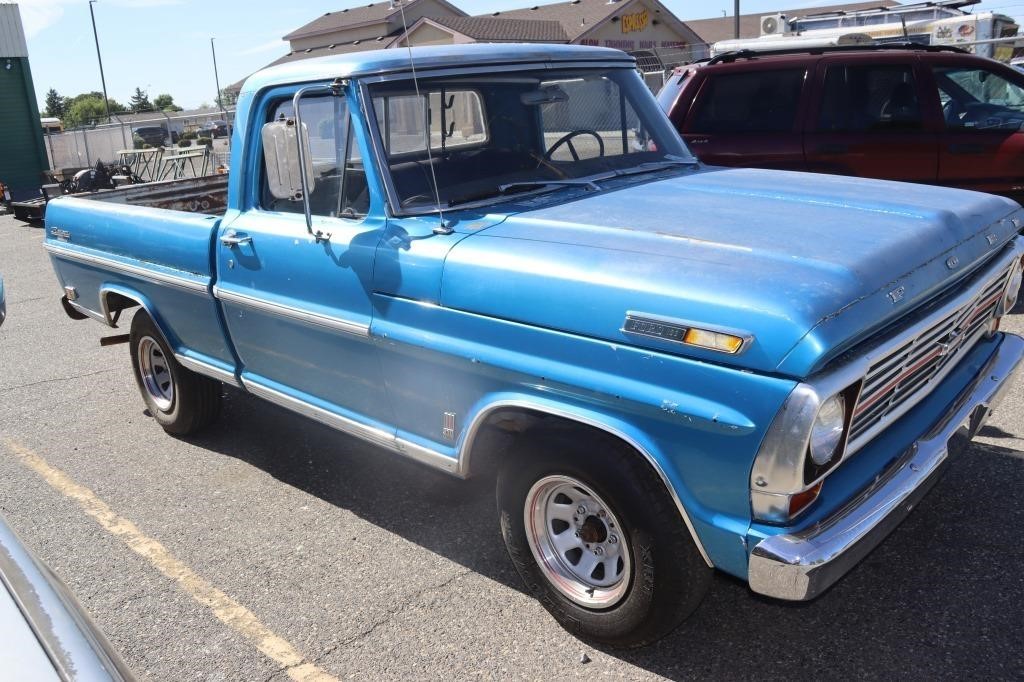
[115, 298]
[519, 409]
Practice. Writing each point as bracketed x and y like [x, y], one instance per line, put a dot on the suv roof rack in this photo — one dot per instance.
[728, 57]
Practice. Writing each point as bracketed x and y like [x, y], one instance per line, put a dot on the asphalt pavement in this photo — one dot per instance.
[369, 566]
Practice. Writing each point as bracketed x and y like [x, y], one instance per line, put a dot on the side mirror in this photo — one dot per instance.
[281, 156]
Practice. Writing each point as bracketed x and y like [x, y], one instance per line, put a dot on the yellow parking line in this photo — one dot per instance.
[226, 609]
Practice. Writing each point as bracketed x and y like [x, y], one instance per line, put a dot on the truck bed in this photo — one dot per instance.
[207, 194]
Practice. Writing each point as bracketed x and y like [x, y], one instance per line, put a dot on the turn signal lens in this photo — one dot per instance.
[800, 501]
[726, 343]
[1012, 291]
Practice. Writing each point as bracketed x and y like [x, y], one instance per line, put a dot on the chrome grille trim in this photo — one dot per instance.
[903, 376]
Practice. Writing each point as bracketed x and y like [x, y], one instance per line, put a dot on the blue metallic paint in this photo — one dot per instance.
[524, 305]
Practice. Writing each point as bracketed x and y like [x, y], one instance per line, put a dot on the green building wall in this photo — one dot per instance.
[22, 151]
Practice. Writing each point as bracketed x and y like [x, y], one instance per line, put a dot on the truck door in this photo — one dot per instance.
[982, 146]
[297, 308]
[748, 118]
[870, 121]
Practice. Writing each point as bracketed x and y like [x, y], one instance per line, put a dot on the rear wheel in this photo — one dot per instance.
[598, 541]
[180, 400]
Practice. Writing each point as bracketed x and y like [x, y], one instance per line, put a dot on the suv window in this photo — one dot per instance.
[979, 99]
[335, 193]
[869, 97]
[752, 102]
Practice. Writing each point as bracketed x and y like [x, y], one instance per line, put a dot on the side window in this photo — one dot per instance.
[454, 118]
[873, 97]
[339, 181]
[578, 112]
[979, 99]
[752, 102]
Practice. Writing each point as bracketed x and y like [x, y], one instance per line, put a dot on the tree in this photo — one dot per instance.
[56, 106]
[85, 110]
[140, 101]
[228, 97]
[165, 103]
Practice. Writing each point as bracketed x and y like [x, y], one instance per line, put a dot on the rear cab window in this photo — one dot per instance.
[758, 101]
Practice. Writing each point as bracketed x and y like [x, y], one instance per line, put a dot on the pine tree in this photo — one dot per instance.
[140, 101]
[56, 106]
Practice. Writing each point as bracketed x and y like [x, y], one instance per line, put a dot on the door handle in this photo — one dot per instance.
[966, 148]
[833, 149]
[232, 238]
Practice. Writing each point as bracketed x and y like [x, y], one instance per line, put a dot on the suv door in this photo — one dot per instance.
[982, 146]
[869, 120]
[748, 118]
[298, 309]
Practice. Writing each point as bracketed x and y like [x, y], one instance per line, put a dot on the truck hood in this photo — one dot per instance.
[805, 264]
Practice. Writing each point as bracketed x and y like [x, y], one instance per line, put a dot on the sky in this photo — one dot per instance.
[163, 46]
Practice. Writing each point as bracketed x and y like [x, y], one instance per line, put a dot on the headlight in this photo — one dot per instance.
[827, 430]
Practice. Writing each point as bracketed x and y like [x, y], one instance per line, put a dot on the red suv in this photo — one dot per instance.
[920, 114]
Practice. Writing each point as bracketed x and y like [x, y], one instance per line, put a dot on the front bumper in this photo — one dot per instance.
[802, 565]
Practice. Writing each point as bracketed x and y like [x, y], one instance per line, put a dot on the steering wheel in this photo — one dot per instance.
[567, 140]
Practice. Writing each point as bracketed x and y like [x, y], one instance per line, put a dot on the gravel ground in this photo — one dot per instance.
[373, 567]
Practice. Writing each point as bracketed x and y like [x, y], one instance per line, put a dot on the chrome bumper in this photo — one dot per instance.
[803, 565]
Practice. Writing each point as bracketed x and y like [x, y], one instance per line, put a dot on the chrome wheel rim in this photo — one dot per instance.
[156, 373]
[578, 542]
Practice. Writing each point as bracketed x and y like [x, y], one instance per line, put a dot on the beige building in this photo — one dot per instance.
[644, 28]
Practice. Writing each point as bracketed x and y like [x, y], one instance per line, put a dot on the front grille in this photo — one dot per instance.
[908, 372]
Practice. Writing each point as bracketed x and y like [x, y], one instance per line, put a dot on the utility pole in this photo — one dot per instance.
[103, 80]
[736, 19]
[216, 77]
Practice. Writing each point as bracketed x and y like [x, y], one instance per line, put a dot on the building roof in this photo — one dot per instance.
[576, 16]
[336, 48]
[721, 28]
[495, 29]
[432, 57]
[357, 16]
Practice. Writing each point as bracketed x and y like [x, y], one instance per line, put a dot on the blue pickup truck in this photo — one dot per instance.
[505, 255]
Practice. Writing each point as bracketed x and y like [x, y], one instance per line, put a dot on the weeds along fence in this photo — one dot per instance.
[82, 147]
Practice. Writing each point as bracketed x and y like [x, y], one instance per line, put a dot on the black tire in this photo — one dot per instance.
[668, 578]
[194, 400]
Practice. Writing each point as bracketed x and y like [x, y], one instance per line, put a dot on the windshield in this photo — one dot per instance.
[491, 136]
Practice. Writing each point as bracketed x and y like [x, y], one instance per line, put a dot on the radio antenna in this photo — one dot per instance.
[444, 227]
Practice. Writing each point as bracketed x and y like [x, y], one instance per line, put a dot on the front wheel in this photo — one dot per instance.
[598, 541]
[180, 400]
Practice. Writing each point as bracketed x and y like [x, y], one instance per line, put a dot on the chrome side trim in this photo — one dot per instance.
[304, 316]
[472, 431]
[370, 434]
[802, 565]
[147, 274]
[206, 369]
[99, 317]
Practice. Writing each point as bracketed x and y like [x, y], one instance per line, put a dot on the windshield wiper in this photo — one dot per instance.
[589, 184]
[501, 190]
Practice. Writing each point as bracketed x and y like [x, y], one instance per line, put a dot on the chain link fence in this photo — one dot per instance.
[116, 142]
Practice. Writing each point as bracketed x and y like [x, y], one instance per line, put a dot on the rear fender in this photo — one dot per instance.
[111, 305]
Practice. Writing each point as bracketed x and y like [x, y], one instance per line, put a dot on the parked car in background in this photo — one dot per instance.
[673, 367]
[46, 633]
[919, 114]
[152, 135]
[214, 129]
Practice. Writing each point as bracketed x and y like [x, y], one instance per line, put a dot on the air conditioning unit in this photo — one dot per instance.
[774, 25]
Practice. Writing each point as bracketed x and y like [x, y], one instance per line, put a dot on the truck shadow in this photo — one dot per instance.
[939, 599]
